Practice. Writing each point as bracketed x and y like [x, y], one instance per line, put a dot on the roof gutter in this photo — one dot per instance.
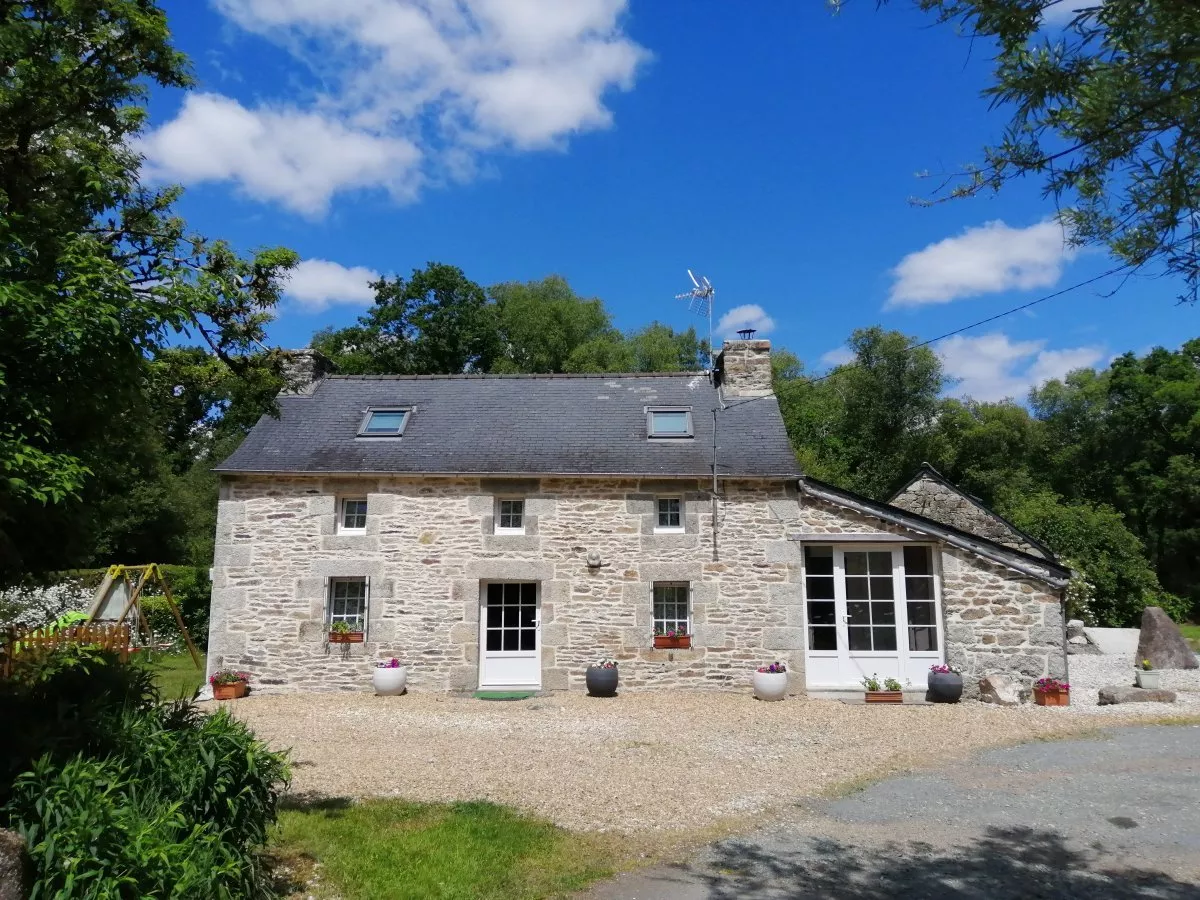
[1042, 570]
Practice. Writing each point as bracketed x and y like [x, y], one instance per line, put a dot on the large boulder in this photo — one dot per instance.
[16, 874]
[1123, 694]
[999, 689]
[1162, 643]
[1075, 629]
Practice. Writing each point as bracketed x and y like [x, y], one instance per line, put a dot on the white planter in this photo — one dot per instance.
[770, 685]
[1151, 680]
[389, 682]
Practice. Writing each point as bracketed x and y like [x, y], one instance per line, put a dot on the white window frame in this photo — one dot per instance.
[659, 528]
[501, 529]
[669, 435]
[342, 527]
[331, 589]
[657, 623]
[370, 411]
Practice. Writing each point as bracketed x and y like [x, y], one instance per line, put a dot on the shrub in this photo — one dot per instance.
[192, 591]
[35, 605]
[121, 796]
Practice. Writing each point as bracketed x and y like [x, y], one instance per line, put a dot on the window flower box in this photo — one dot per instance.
[345, 637]
[672, 642]
[884, 696]
[1051, 692]
[885, 690]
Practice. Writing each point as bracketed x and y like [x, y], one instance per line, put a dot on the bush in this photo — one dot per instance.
[192, 591]
[121, 796]
[1111, 558]
[35, 605]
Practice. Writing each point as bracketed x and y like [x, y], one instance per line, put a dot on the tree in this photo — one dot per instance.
[870, 422]
[96, 272]
[542, 323]
[1105, 111]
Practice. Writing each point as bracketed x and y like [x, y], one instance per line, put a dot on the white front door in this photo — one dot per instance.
[510, 636]
[871, 610]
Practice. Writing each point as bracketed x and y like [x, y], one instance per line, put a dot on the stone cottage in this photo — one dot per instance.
[503, 532]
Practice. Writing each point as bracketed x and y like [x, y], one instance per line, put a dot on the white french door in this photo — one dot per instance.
[510, 646]
[871, 610]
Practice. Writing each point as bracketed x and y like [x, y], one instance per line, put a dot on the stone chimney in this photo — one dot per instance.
[304, 369]
[744, 368]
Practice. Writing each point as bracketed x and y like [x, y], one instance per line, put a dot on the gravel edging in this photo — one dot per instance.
[663, 762]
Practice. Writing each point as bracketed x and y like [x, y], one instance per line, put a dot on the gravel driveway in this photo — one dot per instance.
[1114, 816]
[665, 762]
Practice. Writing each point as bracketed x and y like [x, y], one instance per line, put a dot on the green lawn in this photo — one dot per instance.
[1192, 633]
[176, 674]
[394, 850]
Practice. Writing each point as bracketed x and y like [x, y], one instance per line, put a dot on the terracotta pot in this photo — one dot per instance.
[345, 637]
[229, 691]
[884, 696]
[1052, 698]
[662, 642]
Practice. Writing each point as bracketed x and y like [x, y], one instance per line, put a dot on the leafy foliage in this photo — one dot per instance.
[120, 796]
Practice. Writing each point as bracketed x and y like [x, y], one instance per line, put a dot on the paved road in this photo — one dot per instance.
[1117, 816]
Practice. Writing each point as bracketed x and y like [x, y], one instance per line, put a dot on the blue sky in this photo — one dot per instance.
[772, 147]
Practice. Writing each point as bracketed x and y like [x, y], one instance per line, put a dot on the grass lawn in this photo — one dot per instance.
[1192, 633]
[394, 850]
[176, 674]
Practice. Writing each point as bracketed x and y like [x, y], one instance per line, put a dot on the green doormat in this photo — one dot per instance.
[503, 695]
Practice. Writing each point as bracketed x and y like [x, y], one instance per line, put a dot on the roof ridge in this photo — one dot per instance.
[484, 376]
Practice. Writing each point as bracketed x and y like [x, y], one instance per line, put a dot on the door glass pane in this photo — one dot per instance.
[922, 638]
[510, 616]
[856, 562]
[883, 613]
[819, 587]
[822, 637]
[918, 561]
[860, 638]
[859, 613]
[529, 593]
[512, 640]
[919, 588]
[512, 594]
[493, 640]
[920, 614]
[818, 560]
[528, 639]
[821, 613]
[881, 588]
[494, 614]
[527, 614]
[885, 638]
[495, 593]
[880, 562]
[857, 589]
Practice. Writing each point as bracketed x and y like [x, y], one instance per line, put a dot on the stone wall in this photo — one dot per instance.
[428, 545]
[928, 497]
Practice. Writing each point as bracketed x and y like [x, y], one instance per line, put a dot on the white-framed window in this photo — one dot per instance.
[919, 596]
[348, 602]
[665, 422]
[383, 422]
[352, 515]
[669, 515]
[672, 606]
[510, 516]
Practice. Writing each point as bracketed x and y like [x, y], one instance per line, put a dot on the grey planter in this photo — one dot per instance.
[944, 687]
[601, 682]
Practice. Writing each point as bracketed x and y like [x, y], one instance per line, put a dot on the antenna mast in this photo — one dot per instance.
[700, 301]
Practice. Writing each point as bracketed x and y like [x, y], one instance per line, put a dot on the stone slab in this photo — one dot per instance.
[1114, 641]
[1121, 694]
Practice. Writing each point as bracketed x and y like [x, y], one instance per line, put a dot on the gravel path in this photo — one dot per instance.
[1114, 817]
[664, 762]
[1090, 673]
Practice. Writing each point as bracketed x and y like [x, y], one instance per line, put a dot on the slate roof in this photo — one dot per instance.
[517, 425]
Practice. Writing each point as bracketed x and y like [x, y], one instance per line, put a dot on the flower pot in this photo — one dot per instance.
[945, 687]
[884, 696]
[601, 681]
[770, 685]
[345, 637]
[662, 642]
[229, 691]
[1052, 698]
[1150, 680]
[389, 682]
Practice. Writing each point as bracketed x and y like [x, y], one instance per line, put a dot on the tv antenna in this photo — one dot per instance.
[700, 301]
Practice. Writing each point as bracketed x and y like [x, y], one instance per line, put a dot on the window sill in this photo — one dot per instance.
[510, 532]
[351, 532]
[670, 531]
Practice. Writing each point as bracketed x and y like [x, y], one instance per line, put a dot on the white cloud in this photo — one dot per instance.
[412, 92]
[750, 315]
[993, 367]
[838, 356]
[982, 260]
[1061, 12]
[318, 283]
[297, 158]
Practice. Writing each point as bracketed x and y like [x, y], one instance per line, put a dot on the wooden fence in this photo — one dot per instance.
[38, 640]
